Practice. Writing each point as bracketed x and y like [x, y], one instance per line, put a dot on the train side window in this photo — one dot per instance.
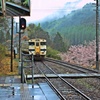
[43, 43]
[31, 43]
[37, 43]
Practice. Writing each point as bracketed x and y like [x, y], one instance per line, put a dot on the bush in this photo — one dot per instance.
[53, 53]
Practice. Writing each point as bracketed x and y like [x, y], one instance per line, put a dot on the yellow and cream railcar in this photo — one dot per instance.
[37, 47]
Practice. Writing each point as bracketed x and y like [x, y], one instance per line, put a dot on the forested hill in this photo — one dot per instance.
[77, 27]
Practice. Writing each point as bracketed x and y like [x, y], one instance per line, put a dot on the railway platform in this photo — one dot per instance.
[12, 89]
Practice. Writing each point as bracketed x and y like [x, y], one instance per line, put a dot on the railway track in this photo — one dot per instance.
[62, 87]
[16, 10]
[74, 67]
[66, 88]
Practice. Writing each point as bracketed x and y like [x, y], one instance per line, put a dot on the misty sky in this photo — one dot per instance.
[43, 8]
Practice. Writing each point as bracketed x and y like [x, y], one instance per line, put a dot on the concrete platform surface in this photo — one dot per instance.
[40, 91]
[10, 79]
[75, 75]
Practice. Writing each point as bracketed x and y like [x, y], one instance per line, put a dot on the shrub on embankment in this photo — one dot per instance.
[53, 53]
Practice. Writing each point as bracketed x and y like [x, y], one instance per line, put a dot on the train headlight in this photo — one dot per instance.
[42, 52]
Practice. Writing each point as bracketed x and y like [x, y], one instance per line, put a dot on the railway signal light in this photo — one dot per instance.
[22, 23]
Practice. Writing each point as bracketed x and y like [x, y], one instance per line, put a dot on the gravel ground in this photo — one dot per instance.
[61, 69]
[89, 86]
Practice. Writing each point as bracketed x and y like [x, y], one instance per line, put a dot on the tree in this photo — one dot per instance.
[25, 38]
[5, 28]
[58, 43]
[31, 30]
[2, 37]
[8, 36]
[37, 32]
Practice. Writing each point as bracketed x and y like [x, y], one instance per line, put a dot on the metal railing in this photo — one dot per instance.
[30, 59]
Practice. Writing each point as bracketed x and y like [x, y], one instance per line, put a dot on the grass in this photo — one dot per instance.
[82, 82]
[5, 68]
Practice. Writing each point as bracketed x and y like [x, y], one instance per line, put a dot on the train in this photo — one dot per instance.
[37, 47]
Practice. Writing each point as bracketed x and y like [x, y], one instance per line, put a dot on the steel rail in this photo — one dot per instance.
[75, 67]
[52, 86]
[77, 90]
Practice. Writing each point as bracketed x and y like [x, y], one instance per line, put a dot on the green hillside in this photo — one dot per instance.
[77, 27]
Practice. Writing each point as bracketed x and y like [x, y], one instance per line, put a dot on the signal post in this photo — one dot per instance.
[22, 26]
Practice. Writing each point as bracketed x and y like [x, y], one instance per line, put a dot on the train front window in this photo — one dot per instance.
[43, 43]
[31, 43]
[37, 43]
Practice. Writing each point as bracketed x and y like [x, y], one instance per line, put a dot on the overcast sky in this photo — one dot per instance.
[43, 8]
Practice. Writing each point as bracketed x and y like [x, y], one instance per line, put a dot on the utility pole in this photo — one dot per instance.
[19, 68]
[19, 41]
[97, 35]
[12, 44]
[19, 48]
